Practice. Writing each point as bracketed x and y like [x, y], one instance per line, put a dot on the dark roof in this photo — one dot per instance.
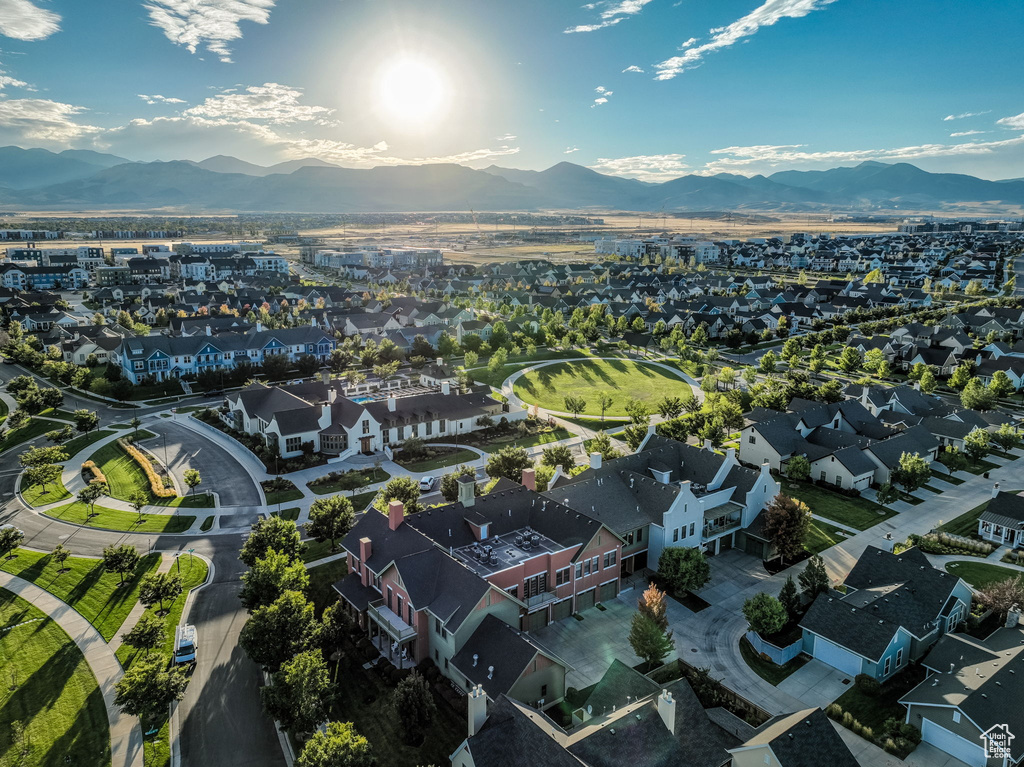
[499, 646]
[441, 584]
[619, 685]
[1005, 509]
[387, 545]
[510, 739]
[804, 739]
[355, 593]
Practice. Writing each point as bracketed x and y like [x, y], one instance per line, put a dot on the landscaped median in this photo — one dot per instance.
[125, 476]
[114, 519]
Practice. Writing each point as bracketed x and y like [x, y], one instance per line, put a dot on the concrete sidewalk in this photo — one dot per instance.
[137, 611]
[125, 731]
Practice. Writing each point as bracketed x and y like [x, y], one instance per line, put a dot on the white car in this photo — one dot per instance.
[427, 483]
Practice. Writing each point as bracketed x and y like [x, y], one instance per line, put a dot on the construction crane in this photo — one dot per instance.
[475, 221]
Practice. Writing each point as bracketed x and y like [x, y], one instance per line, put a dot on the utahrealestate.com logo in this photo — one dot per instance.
[997, 742]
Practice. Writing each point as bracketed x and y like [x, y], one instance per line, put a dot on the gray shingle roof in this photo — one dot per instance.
[804, 739]
[497, 645]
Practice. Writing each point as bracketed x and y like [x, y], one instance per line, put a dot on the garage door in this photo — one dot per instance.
[561, 610]
[609, 591]
[585, 600]
[537, 620]
[836, 656]
[970, 753]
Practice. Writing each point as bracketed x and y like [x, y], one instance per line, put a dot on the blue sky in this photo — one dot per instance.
[651, 89]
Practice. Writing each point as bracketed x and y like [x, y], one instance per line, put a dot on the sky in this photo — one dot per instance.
[649, 89]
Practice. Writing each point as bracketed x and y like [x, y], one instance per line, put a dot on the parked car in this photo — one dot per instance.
[185, 644]
[427, 483]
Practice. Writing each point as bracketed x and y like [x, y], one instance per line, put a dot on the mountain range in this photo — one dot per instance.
[81, 179]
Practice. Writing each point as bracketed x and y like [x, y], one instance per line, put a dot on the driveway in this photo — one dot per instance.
[816, 684]
[221, 473]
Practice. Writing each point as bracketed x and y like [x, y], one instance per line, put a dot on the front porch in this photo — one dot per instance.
[395, 638]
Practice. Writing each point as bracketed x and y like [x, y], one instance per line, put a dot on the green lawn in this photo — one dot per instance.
[497, 378]
[541, 438]
[452, 457]
[38, 495]
[622, 379]
[821, 535]
[82, 441]
[948, 478]
[966, 523]
[207, 524]
[291, 514]
[858, 513]
[980, 575]
[765, 669]
[980, 467]
[872, 711]
[54, 695]
[316, 550]
[125, 476]
[115, 519]
[321, 578]
[86, 585]
[283, 496]
[34, 428]
[596, 424]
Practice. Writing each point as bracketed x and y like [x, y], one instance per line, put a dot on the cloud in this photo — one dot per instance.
[158, 99]
[506, 137]
[655, 167]
[611, 14]
[770, 12]
[272, 103]
[6, 81]
[211, 23]
[571, 149]
[958, 134]
[602, 96]
[633, 68]
[1016, 122]
[689, 43]
[598, 102]
[787, 154]
[963, 115]
[42, 120]
[21, 20]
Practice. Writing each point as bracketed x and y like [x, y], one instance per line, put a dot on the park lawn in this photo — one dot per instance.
[622, 379]
[321, 579]
[36, 427]
[193, 572]
[765, 669]
[291, 514]
[541, 438]
[283, 496]
[56, 698]
[858, 513]
[40, 495]
[452, 458]
[496, 378]
[86, 585]
[595, 424]
[980, 575]
[821, 535]
[82, 441]
[966, 523]
[115, 519]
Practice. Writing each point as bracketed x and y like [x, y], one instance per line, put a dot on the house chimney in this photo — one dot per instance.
[332, 394]
[730, 454]
[477, 709]
[365, 549]
[995, 489]
[440, 361]
[708, 445]
[766, 469]
[259, 327]
[667, 710]
[467, 490]
[651, 428]
[595, 461]
[446, 387]
[396, 514]
[864, 396]
[917, 386]
[209, 330]
[325, 376]
[529, 479]
[392, 404]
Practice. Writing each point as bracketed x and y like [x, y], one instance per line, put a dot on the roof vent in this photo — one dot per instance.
[490, 672]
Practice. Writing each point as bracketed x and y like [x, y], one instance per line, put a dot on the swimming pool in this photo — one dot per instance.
[361, 400]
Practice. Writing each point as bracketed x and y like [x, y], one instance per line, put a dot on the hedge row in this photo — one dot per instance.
[156, 482]
[97, 475]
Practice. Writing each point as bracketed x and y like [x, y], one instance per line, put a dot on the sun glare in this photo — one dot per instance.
[412, 92]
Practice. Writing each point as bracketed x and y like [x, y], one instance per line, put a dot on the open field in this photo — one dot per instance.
[622, 379]
[52, 692]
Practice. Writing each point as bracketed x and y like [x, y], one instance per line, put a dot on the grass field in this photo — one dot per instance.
[38, 495]
[454, 457]
[979, 575]
[542, 438]
[34, 428]
[966, 523]
[370, 476]
[858, 513]
[125, 476]
[86, 585]
[596, 424]
[115, 519]
[497, 377]
[82, 441]
[622, 379]
[54, 695]
[821, 535]
[321, 578]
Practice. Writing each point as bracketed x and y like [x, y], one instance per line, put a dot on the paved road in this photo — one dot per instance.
[220, 472]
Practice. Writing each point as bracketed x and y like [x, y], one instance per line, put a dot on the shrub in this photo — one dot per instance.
[867, 685]
[834, 711]
[156, 483]
[97, 475]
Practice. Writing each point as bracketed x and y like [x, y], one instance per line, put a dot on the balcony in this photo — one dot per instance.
[711, 530]
[538, 600]
[389, 622]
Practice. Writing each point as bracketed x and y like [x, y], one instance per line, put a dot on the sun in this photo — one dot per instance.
[412, 92]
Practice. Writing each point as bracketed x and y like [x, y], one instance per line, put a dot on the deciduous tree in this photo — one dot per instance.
[339, 745]
[786, 521]
[648, 641]
[158, 588]
[269, 578]
[683, 568]
[121, 559]
[764, 613]
[299, 693]
[148, 687]
[814, 578]
[330, 519]
[279, 631]
[272, 533]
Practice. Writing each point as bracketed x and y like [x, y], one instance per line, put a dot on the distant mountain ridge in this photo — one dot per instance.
[83, 179]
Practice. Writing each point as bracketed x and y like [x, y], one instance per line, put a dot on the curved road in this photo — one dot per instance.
[221, 720]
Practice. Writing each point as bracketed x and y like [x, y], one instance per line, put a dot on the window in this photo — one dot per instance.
[593, 564]
[586, 567]
[513, 591]
[442, 425]
[562, 576]
[822, 476]
[888, 665]
[752, 439]
[292, 444]
[629, 539]
[609, 559]
[579, 569]
[437, 625]
[956, 717]
[899, 657]
[639, 535]
[428, 428]
[692, 527]
[366, 426]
